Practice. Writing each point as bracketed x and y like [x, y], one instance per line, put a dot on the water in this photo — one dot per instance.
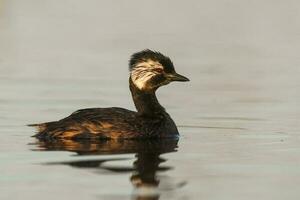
[238, 117]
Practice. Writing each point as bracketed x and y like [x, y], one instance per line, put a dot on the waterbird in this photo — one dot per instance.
[149, 70]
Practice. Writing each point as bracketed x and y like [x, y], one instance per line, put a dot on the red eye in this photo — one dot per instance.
[159, 70]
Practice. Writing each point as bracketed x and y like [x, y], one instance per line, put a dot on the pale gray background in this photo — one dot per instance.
[243, 60]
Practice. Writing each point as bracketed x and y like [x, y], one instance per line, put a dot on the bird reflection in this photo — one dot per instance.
[145, 167]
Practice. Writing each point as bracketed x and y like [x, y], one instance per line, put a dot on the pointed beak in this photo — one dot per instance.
[177, 77]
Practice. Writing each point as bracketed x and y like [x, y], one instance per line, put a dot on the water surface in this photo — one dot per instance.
[238, 117]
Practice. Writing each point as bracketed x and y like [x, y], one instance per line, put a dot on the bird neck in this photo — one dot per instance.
[145, 102]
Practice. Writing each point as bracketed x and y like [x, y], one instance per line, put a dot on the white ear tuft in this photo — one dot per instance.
[141, 77]
[143, 72]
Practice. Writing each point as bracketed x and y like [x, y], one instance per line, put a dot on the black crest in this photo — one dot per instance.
[147, 54]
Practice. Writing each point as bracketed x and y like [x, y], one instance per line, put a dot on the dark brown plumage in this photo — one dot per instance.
[148, 71]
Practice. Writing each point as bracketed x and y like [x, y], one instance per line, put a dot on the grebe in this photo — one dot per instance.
[148, 71]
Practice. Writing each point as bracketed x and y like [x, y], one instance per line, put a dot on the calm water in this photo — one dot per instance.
[238, 117]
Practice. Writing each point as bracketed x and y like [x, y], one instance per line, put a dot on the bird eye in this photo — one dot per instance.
[159, 70]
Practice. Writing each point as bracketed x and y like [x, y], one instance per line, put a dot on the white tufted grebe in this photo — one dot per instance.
[148, 71]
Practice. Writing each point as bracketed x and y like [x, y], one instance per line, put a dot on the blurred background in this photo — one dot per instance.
[241, 105]
[223, 46]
